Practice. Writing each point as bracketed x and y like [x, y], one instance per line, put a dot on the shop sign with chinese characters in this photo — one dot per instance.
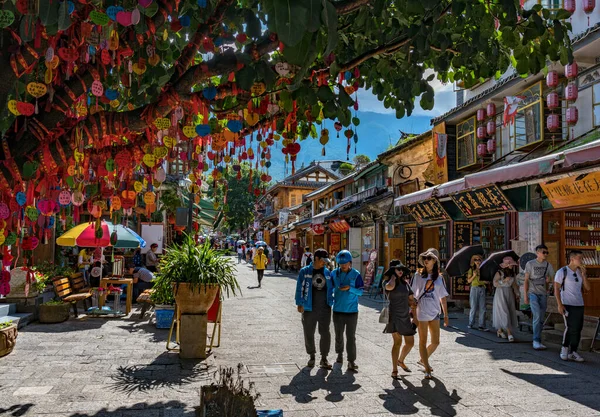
[573, 191]
[411, 248]
[428, 211]
[482, 202]
[463, 236]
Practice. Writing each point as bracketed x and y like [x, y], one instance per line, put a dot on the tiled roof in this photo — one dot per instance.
[408, 142]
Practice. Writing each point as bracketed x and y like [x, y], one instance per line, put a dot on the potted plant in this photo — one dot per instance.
[164, 303]
[8, 337]
[54, 312]
[195, 274]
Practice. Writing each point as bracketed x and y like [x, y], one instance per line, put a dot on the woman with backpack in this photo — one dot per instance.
[430, 292]
[507, 292]
[400, 325]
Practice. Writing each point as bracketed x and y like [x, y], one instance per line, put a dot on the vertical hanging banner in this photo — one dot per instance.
[440, 146]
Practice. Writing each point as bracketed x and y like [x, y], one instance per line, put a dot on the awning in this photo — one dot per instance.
[582, 154]
[451, 187]
[526, 169]
[414, 197]
[321, 217]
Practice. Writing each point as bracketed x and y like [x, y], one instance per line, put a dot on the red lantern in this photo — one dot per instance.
[571, 70]
[491, 127]
[552, 100]
[552, 122]
[481, 149]
[552, 79]
[491, 145]
[572, 115]
[491, 110]
[480, 115]
[481, 133]
[571, 92]
[589, 6]
[570, 6]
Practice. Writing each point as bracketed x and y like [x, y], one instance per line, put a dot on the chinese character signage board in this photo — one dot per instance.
[335, 240]
[481, 202]
[463, 236]
[573, 191]
[411, 248]
[428, 211]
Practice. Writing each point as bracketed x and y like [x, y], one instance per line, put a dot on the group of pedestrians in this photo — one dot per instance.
[567, 284]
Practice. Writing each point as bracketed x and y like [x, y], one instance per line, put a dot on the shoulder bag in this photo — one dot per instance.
[384, 316]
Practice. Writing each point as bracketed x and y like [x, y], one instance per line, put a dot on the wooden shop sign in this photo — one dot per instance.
[482, 202]
[573, 191]
[411, 248]
[428, 211]
[463, 236]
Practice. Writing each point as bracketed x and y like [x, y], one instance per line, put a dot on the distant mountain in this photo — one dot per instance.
[376, 132]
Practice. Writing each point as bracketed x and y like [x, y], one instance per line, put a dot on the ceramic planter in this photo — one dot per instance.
[8, 338]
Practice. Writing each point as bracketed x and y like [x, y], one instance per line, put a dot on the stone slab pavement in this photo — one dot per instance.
[119, 367]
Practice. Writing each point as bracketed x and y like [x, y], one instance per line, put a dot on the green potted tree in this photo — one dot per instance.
[195, 274]
[8, 337]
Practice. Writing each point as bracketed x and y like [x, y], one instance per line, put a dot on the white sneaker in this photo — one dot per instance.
[564, 353]
[538, 346]
[574, 356]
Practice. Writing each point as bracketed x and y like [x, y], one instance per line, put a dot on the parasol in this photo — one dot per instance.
[260, 243]
[84, 235]
[491, 265]
[460, 263]
[241, 242]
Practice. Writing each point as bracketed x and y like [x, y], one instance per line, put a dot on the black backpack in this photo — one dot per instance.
[308, 260]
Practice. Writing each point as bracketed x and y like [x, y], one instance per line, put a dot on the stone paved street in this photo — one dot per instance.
[119, 367]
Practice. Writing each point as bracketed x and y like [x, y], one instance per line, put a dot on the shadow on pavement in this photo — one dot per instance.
[166, 371]
[16, 410]
[433, 394]
[143, 409]
[81, 323]
[335, 382]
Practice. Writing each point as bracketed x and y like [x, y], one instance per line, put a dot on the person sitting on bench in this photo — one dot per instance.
[142, 280]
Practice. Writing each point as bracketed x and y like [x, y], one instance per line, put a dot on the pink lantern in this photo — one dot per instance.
[572, 115]
[552, 122]
[491, 145]
[481, 149]
[491, 110]
[571, 92]
[480, 115]
[491, 127]
[589, 6]
[552, 79]
[570, 6]
[481, 133]
[571, 70]
[552, 100]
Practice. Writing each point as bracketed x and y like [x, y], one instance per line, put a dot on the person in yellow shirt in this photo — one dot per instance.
[260, 262]
[477, 294]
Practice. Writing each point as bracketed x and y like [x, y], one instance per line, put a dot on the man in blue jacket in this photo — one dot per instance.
[348, 286]
[314, 298]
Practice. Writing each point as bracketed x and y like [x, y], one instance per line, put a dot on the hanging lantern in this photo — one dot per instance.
[491, 145]
[552, 79]
[552, 122]
[481, 133]
[491, 110]
[480, 115]
[572, 115]
[571, 92]
[570, 6]
[491, 127]
[552, 100]
[481, 149]
[589, 6]
[571, 70]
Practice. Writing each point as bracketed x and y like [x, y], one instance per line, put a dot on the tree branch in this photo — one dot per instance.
[348, 6]
[383, 49]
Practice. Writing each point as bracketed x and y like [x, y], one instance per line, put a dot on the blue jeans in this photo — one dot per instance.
[538, 305]
[477, 302]
[239, 258]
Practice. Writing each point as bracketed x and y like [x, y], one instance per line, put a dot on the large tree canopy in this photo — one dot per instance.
[136, 82]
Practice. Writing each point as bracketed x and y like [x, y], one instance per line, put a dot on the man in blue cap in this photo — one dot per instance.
[314, 298]
[348, 286]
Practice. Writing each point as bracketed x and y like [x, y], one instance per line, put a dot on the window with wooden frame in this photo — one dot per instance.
[293, 201]
[529, 124]
[466, 144]
[596, 103]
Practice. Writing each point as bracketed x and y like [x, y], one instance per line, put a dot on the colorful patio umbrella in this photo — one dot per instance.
[84, 235]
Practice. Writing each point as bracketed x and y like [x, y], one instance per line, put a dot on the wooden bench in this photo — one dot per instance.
[146, 301]
[64, 291]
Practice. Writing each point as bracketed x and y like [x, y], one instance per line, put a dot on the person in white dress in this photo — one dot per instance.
[507, 292]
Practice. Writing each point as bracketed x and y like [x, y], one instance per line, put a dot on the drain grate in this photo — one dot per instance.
[273, 368]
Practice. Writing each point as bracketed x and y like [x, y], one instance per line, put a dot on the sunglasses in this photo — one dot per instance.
[545, 252]
[575, 276]
[429, 258]
[477, 260]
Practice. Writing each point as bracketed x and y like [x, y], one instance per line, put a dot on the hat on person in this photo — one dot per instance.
[474, 257]
[508, 262]
[322, 254]
[429, 252]
[260, 248]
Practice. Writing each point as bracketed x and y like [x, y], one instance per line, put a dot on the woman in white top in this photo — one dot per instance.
[430, 293]
[507, 291]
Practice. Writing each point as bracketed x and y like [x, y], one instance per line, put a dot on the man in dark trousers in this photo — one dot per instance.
[276, 258]
[314, 298]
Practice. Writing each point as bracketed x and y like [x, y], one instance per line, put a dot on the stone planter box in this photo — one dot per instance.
[8, 339]
[54, 313]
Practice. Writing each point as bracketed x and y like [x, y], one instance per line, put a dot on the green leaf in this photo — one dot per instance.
[27, 28]
[355, 121]
[253, 27]
[345, 99]
[314, 15]
[49, 12]
[290, 21]
[245, 77]
[325, 94]
[64, 19]
[562, 14]
[299, 53]
[330, 19]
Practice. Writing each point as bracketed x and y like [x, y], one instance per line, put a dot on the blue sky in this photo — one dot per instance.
[378, 128]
